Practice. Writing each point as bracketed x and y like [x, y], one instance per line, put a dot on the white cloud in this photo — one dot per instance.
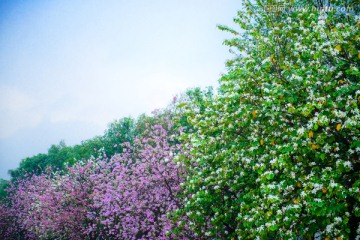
[17, 110]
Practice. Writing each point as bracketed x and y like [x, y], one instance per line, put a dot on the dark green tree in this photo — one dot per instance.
[3, 185]
[118, 132]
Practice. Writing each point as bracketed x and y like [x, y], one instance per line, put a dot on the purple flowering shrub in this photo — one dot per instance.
[127, 196]
[52, 205]
[132, 199]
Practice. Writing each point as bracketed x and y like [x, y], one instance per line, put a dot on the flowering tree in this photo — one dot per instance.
[52, 205]
[9, 227]
[128, 196]
[276, 155]
[133, 197]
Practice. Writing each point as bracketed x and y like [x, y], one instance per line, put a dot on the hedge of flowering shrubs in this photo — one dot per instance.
[274, 155]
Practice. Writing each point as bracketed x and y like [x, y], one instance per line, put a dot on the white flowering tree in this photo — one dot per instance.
[276, 153]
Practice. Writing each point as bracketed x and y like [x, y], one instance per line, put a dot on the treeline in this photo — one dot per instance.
[274, 154]
[125, 130]
[60, 155]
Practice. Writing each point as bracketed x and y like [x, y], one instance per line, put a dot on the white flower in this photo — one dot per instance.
[338, 219]
[333, 184]
[321, 23]
[300, 131]
[329, 228]
[347, 164]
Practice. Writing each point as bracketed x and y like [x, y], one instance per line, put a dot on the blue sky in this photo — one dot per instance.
[68, 68]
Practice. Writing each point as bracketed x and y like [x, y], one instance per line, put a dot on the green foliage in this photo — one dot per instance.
[276, 153]
[3, 185]
[193, 101]
[141, 123]
[59, 156]
[118, 132]
[35, 164]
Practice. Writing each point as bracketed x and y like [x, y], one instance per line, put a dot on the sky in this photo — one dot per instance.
[68, 68]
